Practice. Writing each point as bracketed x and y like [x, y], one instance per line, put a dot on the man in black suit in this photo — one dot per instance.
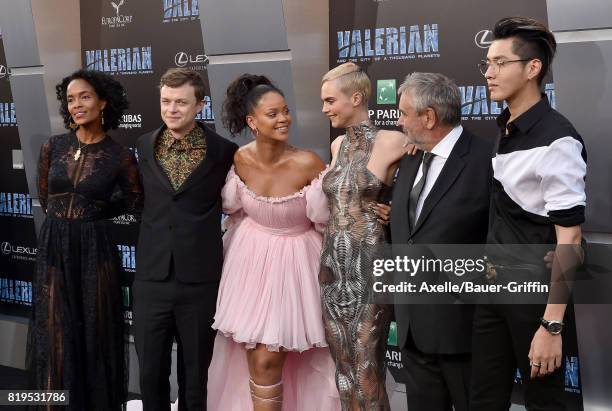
[441, 196]
[180, 254]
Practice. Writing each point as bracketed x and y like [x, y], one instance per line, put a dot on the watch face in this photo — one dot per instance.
[555, 328]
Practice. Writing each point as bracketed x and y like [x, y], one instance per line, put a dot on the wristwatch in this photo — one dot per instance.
[552, 326]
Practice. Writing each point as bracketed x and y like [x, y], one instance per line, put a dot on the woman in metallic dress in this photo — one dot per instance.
[364, 161]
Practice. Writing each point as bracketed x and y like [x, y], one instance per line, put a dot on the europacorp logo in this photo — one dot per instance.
[117, 20]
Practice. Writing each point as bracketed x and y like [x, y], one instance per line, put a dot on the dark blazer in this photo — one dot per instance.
[185, 224]
[456, 211]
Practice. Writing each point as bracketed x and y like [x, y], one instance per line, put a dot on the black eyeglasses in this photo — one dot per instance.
[484, 65]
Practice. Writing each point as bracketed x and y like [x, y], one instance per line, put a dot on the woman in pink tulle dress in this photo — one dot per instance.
[270, 352]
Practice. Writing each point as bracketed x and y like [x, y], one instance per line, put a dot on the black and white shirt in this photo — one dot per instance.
[539, 177]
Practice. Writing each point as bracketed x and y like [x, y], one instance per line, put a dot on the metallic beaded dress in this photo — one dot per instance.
[356, 330]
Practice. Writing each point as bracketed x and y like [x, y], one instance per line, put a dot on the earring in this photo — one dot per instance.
[255, 131]
[102, 116]
[72, 125]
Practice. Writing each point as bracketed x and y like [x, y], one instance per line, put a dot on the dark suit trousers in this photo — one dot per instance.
[436, 382]
[168, 310]
[501, 342]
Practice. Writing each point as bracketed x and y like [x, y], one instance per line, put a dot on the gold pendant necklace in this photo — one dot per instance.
[77, 155]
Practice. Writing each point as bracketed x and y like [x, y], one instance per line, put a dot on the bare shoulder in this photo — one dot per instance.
[309, 162]
[244, 154]
[391, 138]
[244, 162]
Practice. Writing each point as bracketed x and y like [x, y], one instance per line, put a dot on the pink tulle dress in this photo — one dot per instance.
[269, 294]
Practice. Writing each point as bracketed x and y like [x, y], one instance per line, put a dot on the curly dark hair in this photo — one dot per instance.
[532, 40]
[242, 96]
[107, 89]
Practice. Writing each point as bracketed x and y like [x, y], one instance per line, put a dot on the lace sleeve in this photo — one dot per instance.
[131, 196]
[43, 175]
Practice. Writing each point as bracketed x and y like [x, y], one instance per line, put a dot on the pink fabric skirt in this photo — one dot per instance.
[308, 379]
[269, 294]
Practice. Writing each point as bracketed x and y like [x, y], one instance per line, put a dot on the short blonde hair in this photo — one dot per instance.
[351, 79]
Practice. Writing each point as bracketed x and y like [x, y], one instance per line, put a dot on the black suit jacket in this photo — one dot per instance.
[456, 211]
[185, 224]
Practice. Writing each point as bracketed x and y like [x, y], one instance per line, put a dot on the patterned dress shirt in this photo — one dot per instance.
[179, 157]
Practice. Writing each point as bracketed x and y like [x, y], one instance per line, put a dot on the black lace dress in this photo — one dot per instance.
[77, 339]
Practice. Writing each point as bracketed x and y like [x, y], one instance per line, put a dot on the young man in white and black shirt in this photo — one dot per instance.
[538, 197]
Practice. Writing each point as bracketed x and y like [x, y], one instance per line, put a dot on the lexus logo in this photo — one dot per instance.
[3, 71]
[181, 59]
[6, 248]
[483, 39]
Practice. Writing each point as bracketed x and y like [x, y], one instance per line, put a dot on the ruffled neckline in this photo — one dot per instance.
[298, 194]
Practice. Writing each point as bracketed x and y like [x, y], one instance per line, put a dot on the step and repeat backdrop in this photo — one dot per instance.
[137, 40]
[17, 233]
[392, 38]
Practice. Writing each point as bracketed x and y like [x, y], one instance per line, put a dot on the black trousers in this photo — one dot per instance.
[500, 344]
[168, 310]
[436, 382]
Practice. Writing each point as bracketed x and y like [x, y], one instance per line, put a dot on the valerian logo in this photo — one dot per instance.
[476, 103]
[15, 291]
[180, 10]
[16, 205]
[7, 114]
[389, 43]
[128, 257]
[483, 39]
[130, 60]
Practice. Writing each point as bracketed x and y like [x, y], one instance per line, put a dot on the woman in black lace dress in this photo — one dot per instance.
[77, 338]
